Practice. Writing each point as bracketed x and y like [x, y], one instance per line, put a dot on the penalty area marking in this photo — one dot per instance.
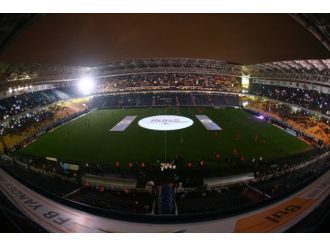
[207, 122]
[123, 124]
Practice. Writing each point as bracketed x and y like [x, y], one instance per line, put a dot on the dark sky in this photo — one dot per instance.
[90, 39]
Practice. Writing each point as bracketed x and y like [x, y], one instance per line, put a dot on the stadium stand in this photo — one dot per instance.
[25, 116]
[177, 81]
[306, 98]
[202, 100]
[158, 99]
[165, 202]
[270, 183]
[165, 99]
[307, 123]
[123, 201]
[28, 101]
[20, 128]
[185, 100]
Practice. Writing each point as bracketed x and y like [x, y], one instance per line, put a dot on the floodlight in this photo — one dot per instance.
[245, 103]
[245, 81]
[86, 85]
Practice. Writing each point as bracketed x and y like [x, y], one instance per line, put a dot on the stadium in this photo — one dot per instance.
[166, 144]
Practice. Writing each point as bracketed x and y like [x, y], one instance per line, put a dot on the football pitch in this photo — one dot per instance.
[89, 139]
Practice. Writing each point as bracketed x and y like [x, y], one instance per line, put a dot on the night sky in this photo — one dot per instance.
[91, 39]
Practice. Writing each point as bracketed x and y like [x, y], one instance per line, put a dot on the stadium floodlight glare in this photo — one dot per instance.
[86, 85]
[245, 81]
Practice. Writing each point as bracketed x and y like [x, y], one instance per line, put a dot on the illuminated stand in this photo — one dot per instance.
[245, 83]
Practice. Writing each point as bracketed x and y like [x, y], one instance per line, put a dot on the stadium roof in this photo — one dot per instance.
[313, 71]
[11, 25]
[91, 39]
[305, 66]
[307, 70]
[317, 24]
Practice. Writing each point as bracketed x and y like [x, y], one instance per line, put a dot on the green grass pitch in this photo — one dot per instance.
[87, 139]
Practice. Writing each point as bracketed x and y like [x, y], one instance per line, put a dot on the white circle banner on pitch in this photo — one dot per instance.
[165, 122]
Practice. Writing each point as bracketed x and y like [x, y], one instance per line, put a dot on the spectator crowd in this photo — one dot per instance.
[309, 123]
[309, 99]
[154, 81]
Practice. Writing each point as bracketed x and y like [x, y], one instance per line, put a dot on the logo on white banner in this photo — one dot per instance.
[165, 122]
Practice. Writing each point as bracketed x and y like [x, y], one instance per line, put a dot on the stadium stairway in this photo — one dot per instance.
[165, 200]
[210, 100]
[177, 101]
[193, 99]
[227, 101]
[61, 95]
[49, 99]
[153, 100]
